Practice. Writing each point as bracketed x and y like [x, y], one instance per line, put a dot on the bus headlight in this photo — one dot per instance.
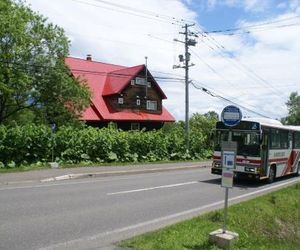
[217, 165]
[250, 169]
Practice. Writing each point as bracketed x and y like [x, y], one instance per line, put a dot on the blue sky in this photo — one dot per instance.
[257, 70]
[223, 14]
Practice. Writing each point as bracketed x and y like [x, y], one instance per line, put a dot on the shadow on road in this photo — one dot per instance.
[242, 184]
[245, 183]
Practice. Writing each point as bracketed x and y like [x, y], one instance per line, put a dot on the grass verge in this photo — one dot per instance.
[271, 221]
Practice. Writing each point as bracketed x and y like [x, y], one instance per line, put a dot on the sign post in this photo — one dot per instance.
[53, 164]
[228, 157]
[231, 116]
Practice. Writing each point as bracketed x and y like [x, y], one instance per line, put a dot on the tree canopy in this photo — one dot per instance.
[293, 105]
[35, 83]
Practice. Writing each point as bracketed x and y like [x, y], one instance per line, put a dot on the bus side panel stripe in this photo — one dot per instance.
[291, 162]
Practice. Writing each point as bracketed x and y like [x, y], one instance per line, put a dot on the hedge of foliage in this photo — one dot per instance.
[23, 145]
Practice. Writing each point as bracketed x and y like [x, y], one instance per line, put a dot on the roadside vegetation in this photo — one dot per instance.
[37, 144]
[269, 222]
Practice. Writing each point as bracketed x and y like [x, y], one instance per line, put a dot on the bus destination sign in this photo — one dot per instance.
[231, 116]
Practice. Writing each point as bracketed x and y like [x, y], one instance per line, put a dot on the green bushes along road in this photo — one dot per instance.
[31, 144]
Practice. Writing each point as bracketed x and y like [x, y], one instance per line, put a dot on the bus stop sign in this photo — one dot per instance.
[231, 116]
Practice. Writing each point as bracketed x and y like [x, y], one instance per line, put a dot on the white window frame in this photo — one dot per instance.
[151, 105]
[140, 81]
[138, 102]
[120, 100]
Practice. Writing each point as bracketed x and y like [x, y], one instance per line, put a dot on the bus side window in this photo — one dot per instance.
[297, 140]
[284, 139]
[275, 139]
[291, 144]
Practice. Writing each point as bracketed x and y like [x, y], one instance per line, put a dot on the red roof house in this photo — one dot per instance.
[128, 96]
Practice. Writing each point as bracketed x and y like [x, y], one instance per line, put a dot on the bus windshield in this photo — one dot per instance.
[247, 142]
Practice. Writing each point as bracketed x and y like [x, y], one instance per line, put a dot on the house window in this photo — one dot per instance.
[138, 102]
[135, 126]
[151, 105]
[140, 81]
[132, 82]
[120, 100]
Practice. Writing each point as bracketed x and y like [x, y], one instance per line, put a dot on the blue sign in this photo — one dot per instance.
[231, 116]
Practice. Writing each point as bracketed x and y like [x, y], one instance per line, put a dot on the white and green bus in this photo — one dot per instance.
[266, 149]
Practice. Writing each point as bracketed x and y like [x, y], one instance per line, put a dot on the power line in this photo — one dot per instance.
[262, 30]
[262, 24]
[130, 12]
[223, 98]
[163, 79]
[146, 12]
[240, 66]
[226, 99]
[82, 71]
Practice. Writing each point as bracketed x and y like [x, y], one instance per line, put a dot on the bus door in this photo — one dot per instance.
[265, 151]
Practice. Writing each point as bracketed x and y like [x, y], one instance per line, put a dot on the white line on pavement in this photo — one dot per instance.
[152, 188]
[4, 186]
[167, 218]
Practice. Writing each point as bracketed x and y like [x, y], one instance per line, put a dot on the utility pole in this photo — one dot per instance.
[146, 76]
[185, 60]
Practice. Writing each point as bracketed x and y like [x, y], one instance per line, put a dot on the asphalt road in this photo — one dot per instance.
[95, 213]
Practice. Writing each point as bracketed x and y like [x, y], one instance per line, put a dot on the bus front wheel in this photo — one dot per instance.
[271, 175]
[298, 170]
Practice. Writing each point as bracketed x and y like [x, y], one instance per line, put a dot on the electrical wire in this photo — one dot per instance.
[262, 24]
[146, 12]
[83, 72]
[238, 64]
[262, 30]
[131, 12]
[205, 90]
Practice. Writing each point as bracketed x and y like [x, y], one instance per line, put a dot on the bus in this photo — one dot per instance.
[266, 149]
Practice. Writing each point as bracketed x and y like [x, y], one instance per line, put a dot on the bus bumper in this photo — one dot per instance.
[238, 175]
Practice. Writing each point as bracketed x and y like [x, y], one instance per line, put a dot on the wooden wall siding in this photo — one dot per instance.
[130, 96]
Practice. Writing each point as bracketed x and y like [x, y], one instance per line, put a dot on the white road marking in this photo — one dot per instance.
[5, 186]
[152, 188]
[103, 235]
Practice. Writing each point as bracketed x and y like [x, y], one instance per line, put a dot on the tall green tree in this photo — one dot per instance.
[34, 79]
[293, 105]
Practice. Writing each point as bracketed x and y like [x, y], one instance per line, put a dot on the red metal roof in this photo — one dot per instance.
[106, 79]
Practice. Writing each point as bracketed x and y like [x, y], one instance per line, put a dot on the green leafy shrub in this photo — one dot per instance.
[30, 144]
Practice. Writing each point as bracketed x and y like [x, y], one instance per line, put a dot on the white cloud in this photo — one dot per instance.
[247, 5]
[120, 38]
[256, 5]
[294, 4]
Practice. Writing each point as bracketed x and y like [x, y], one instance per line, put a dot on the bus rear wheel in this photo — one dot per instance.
[271, 175]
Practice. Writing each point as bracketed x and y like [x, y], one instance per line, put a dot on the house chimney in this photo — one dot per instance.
[89, 57]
